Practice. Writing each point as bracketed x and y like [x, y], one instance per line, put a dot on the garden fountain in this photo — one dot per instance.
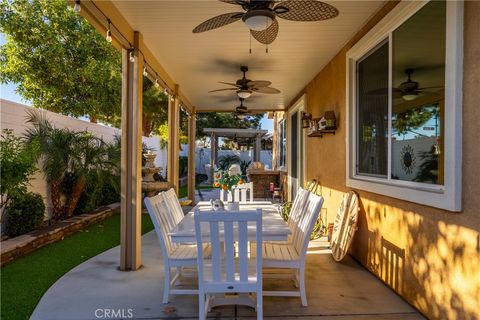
[149, 185]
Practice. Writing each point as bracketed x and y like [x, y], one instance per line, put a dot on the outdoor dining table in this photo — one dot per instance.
[274, 228]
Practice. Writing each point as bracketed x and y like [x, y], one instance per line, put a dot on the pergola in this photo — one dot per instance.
[216, 133]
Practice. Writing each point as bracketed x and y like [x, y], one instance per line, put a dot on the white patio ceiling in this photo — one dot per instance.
[198, 61]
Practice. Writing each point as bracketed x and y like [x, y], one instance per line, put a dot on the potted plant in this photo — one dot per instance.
[227, 181]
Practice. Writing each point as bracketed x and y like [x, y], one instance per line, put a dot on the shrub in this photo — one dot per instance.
[24, 213]
[17, 162]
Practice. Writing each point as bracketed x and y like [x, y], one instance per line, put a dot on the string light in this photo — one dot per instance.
[126, 43]
[109, 33]
[77, 7]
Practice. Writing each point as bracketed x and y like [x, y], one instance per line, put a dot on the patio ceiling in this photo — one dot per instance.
[198, 61]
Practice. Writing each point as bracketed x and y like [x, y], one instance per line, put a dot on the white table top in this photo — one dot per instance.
[274, 228]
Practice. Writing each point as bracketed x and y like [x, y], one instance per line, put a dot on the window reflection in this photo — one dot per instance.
[418, 78]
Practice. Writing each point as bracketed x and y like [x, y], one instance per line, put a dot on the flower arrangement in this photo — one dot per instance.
[227, 181]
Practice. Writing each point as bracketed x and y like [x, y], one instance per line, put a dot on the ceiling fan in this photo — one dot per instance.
[245, 87]
[409, 90]
[260, 16]
[241, 111]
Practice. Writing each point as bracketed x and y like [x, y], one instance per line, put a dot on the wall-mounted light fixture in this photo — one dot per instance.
[306, 118]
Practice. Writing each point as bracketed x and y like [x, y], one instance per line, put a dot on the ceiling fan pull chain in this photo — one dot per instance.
[250, 43]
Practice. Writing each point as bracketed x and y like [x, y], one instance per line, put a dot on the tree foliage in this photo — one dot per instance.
[58, 60]
[17, 164]
[155, 108]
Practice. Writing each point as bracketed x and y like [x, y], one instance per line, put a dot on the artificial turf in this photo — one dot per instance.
[24, 281]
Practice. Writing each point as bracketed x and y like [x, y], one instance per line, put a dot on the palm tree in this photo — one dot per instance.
[56, 146]
[92, 157]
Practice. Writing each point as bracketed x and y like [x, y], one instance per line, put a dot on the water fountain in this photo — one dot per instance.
[149, 185]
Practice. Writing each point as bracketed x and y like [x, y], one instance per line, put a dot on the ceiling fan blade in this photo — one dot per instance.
[439, 87]
[384, 91]
[268, 35]
[259, 83]
[227, 89]
[236, 2]
[218, 21]
[305, 10]
[230, 84]
[266, 90]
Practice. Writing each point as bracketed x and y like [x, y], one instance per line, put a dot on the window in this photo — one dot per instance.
[282, 143]
[404, 108]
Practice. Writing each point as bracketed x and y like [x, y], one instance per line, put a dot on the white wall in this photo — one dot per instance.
[13, 116]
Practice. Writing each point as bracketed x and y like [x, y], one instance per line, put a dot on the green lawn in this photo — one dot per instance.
[24, 281]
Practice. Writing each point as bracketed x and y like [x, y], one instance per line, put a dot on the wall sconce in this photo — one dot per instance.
[306, 118]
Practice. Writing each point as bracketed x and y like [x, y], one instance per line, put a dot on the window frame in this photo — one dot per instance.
[282, 143]
[447, 196]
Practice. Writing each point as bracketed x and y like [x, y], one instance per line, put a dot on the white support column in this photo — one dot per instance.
[258, 147]
[131, 163]
[213, 154]
[192, 121]
[173, 141]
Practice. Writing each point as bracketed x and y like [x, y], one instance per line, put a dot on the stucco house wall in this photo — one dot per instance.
[431, 257]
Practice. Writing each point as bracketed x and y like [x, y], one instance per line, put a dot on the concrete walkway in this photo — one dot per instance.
[335, 291]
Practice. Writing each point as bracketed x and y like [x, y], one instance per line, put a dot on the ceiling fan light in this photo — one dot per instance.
[244, 94]
[258, 19]
[410, 96]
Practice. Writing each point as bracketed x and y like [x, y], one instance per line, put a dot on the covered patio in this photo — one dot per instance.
[337, 291]
[410, 251]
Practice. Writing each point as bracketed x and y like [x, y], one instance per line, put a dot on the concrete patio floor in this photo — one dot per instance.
[335, 291]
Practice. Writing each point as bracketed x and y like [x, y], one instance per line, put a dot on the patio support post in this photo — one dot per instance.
[258, 147]
[192, 122]
[213, 154]
[173, 140]
[131, 162]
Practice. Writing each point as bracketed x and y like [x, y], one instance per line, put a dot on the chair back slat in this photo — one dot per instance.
[297, 207]
[223, 260]
[173, 204]
[242, 250]
[229, 250]
[163, 222]
[306, 223]
[215, 242]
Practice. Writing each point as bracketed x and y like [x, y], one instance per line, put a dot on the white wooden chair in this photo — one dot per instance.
[225, 273]
[240, 192]
[174, 255]
[173, 204]
[226, 196]
[292, 254]
[297, 208]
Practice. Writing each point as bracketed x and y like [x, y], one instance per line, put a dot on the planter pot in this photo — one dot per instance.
[233, 206]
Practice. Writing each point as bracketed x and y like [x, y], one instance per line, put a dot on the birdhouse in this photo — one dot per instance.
[331, 121]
